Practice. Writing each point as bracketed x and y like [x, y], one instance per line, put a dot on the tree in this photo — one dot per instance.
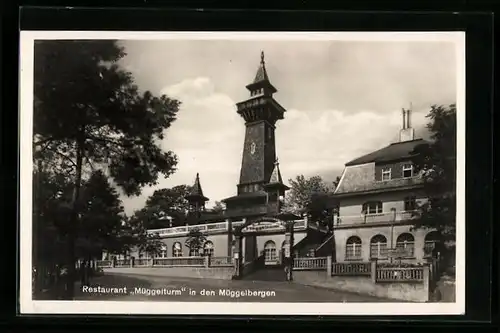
[88, 113]
[436, 162]
[50, 195]
[195, 241]
[311, 197]
[336, 182]
[302, 192]
[101, 218]
[163, 205]
[218, 207]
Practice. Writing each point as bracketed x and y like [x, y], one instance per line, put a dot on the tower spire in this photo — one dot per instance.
[261, 75]
[276, 174]
[195, 196]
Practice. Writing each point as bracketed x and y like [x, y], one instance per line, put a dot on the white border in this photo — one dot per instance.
[28, 306]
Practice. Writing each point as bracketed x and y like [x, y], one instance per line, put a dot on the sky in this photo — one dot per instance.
[343, 100]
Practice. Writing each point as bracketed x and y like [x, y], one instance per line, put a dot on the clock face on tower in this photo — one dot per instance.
[252, 148]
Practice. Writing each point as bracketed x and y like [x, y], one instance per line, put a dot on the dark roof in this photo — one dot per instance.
[261, 78]
[196, 191]
[248, 195]
[261, 72]
[392, 152]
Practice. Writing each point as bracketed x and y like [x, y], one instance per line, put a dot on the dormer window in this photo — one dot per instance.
[407, 170]
[386, 174]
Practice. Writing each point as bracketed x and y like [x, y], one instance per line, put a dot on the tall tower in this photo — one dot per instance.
[260, 112]
[258, 190]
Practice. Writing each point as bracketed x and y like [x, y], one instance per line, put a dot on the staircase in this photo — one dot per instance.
[314, 240]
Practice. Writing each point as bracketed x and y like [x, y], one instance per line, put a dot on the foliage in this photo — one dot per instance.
[88, 108]
[164, 204]
[436, 161]
[51, 198]
[302, 191]
[311, 196]
[218, 207]
[195, 240]
[89, 114]
[101, 218]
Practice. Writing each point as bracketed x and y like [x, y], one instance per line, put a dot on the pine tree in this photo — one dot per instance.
[89, 114]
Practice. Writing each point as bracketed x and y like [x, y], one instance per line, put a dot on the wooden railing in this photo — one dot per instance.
[400, 274]
[168, 262]
[316, 263]
[220, 227]
[104, 263]
[122, 263]
[375, 218]
[179, 261]
[141, 262]
[221, 261]
[352, 269]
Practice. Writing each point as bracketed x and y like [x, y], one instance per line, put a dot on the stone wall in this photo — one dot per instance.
[401, 291]
[222, 273]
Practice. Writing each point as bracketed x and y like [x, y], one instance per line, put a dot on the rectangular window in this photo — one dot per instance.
[407, 170]
[386, 174]
[410, 203]
[374, 207]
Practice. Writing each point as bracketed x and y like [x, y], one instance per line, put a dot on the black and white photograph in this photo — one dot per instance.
[242, 173]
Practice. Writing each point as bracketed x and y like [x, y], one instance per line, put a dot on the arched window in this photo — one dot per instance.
[378, 247]
[208, 248]
[431, 239]
[177, 249]
[163, 252]
[406, 244]
[353, 248]
[270, 252]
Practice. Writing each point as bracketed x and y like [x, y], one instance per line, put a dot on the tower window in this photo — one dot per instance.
[386, 174]
[407, 170]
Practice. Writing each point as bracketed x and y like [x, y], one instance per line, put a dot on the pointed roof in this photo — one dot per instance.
[275, 179]
[261, 78]
[196, 191]
[261, 72]
[276, 174]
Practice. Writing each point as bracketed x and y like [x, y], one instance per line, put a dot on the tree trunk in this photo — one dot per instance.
[73, 224]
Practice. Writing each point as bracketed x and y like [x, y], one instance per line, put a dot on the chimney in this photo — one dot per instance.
[404, 118]
[407, 133]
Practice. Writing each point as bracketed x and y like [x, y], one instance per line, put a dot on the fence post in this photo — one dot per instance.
[329, 266]
[373, 270]
[426, 280]
[207, 261]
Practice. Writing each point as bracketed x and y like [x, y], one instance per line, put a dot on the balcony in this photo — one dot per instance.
[387, 217]
[223, 227]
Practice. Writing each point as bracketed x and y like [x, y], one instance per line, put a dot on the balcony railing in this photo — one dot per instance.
[396, 274]
[221, 227]
[376, 218]
[316, 263]
[352, 269]
[179, 261]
